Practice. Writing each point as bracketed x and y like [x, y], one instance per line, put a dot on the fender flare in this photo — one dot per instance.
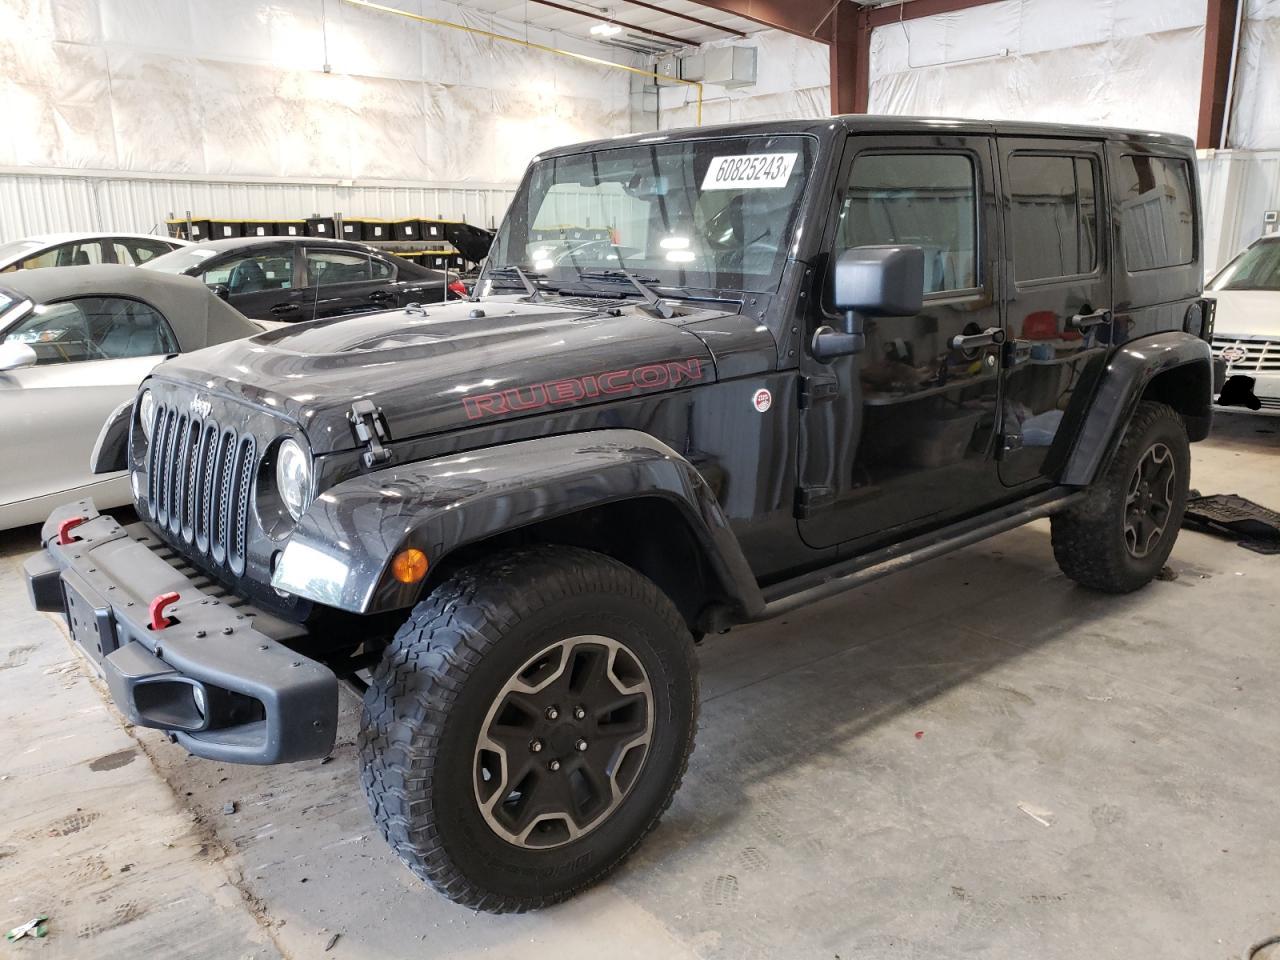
[340, 553]
[1130, 369]
[111, 450]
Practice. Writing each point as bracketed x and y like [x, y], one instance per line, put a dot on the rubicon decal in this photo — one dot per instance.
[613, 383]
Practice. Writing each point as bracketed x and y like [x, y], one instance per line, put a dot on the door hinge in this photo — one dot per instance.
[370, 428]
[809, 499]
[817, 390]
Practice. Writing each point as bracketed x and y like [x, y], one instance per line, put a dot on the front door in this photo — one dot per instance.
[1059, 299]
[902, 436]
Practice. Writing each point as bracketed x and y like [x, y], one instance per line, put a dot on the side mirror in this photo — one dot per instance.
[221, 291]
[15, 355]
[872, 281]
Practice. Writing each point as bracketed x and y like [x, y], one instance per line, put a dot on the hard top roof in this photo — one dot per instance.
[828, 127]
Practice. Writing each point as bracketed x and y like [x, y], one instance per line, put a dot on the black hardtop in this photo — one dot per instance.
[829, 128]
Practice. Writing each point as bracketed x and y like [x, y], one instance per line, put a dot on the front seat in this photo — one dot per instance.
[246, 277]
[81, 258]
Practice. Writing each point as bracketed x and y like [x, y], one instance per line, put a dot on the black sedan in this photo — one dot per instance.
[302, 278]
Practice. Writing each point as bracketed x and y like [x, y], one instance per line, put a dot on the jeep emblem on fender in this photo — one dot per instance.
[200, 407]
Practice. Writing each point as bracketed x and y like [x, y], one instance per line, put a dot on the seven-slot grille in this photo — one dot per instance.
[1247, 355]
[200, 478]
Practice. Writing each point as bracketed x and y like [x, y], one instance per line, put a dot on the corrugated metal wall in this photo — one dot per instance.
[44, 203]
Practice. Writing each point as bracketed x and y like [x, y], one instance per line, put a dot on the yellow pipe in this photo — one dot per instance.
[697, 85]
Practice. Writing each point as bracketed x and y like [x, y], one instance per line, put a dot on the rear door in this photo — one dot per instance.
[340, 282]
[1059, 298]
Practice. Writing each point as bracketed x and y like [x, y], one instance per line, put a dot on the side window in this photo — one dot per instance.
[327, 267]
[79, 254]
[1157, 216]
[123, 253]
[94, 328]
[383, 269]
[253, 274]
[48, 258]
[1054, 215]
[926, 199]
[144, 250]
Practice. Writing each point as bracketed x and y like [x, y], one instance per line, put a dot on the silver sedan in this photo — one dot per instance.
[74, 344]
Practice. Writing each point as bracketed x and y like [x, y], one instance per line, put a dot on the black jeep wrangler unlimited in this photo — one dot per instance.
[709, 376]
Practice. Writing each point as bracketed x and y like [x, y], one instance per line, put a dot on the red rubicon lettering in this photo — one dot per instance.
[570, 390]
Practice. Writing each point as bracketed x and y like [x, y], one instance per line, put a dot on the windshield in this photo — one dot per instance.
[181, 260]
[1258, 268]
[713, 214]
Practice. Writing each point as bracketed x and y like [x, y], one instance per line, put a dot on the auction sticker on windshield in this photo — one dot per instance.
[756, 171]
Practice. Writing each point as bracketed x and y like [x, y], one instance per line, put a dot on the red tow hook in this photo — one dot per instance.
[158, 620]
[65, 528]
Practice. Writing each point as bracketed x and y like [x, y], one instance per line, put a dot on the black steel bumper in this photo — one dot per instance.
[214, 681]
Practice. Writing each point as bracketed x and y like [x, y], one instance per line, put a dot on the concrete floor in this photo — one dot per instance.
[973, 759]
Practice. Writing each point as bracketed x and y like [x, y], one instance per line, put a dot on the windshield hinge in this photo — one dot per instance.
[817, 389]
[370, 428]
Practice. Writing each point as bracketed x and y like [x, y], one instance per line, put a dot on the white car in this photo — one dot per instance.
[84, 249]
[1246, 329]
[74, 345]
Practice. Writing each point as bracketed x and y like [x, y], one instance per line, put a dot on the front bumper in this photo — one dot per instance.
[219, 685]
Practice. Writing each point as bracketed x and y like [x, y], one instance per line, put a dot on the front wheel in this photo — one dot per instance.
[528, 725]
[1120, 536]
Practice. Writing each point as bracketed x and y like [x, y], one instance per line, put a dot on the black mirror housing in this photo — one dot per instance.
[221, 291]
[880, 281]
[871, 281]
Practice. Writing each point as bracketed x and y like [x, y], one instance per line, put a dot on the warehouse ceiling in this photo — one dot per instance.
[641, 26]
[653, 26]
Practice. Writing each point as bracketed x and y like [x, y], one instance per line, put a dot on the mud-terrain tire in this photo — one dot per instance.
[470, 670]
[1119, 537]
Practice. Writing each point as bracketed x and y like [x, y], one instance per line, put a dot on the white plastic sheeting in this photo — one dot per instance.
[1236, 188]
[1255, 119]
[792, 80]
[237, 88]
[1131, 63]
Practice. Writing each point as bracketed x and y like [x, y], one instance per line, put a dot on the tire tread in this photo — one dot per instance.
[424, 669]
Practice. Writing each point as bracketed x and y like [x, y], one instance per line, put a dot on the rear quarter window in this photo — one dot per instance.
[1157, 212]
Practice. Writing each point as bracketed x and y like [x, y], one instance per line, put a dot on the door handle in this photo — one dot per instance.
[378, 296]
[282, 308]
[971, 341]
[1083, 321]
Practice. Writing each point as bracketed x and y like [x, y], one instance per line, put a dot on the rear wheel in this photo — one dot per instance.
[528, 725]
[1118, 538]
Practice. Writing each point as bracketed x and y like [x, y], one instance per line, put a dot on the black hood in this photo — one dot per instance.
[442, 367]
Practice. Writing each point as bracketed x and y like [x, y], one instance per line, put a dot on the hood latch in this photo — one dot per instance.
[370, 428]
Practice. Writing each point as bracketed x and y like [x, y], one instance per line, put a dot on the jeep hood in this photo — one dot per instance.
[444, 367]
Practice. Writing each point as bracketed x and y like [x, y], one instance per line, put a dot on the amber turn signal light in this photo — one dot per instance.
[409, 566]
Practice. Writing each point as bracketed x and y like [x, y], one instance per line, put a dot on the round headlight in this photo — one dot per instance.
[146, 412]
[293, 478]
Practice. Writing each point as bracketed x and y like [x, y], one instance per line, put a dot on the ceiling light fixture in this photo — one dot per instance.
[603, 29]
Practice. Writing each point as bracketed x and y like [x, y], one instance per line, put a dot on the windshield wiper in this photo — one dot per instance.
[526, 280]
[660, 308]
